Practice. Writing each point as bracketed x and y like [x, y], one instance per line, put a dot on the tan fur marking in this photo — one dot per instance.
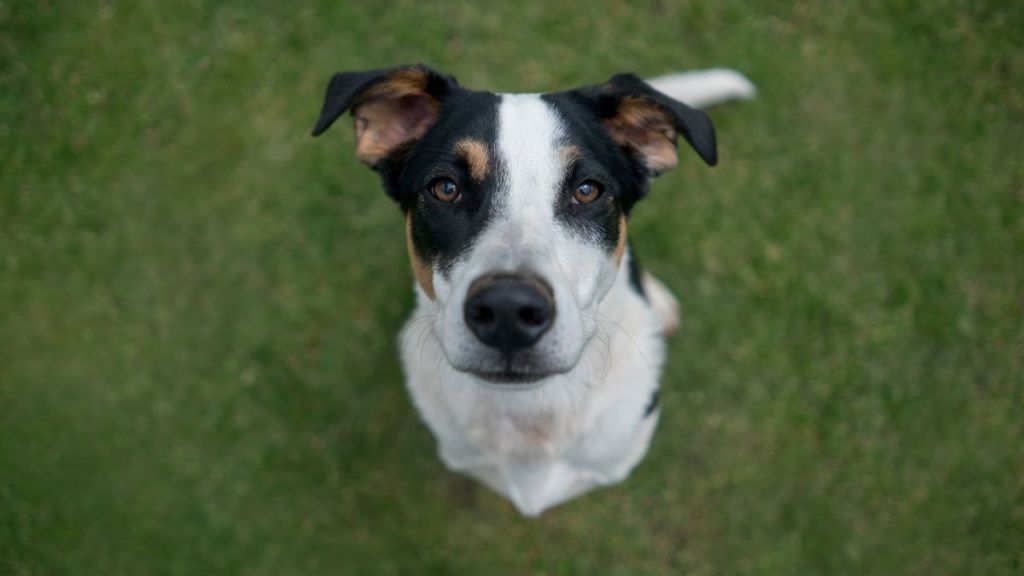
[421, 270]
[382, 115]
[645, 127]
[570, 154]
[400, 83]
[620, 248]
[474, 152]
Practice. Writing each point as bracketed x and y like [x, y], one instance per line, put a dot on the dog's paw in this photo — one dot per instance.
[664, 303]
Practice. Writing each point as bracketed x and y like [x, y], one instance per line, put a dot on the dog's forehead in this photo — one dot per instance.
[529, 134]
[528, 120]
[523, 140]
[522, 126]
[510, 122]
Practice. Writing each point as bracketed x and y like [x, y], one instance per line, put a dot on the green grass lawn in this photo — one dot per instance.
[199, 302]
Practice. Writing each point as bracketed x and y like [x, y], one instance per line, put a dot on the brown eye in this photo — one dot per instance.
[587, 192]
[445, 190]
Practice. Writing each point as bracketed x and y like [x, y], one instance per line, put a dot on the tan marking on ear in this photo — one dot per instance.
[423, 272]
[643, 126]
[391, 113]
[400, 83]
[474, 152]
[620, 248]
[384, 124]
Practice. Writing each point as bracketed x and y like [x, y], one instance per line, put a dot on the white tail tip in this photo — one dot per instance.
[703, 88]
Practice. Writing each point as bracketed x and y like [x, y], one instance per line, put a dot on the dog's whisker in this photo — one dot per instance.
[608, 321]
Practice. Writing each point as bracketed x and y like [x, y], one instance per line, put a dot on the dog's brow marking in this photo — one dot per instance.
[474, 152]
[423, 272]
[570, 154]
[620, 248]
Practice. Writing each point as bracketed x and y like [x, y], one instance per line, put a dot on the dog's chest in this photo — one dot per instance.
[543, 459]
[519, 436]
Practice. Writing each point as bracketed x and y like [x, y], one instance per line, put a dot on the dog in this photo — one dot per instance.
[537, 343]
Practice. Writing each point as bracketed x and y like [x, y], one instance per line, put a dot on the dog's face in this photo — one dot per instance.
[515, 205]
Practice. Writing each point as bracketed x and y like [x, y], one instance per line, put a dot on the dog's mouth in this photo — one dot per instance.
[510, 372]
[514, 371]
[510, 377]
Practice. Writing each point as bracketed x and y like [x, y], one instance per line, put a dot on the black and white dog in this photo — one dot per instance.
[536, 346]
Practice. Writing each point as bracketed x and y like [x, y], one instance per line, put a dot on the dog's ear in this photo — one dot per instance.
[392, 108]
[647, 122]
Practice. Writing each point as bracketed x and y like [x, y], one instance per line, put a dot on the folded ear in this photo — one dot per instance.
[391, 107]
[647, 122]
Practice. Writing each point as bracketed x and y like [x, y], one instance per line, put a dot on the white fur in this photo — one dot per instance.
[548, 442]
[704, 88]
[664, 303]
[543, 443]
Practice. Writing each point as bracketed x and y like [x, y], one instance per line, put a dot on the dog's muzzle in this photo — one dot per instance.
[509, 312]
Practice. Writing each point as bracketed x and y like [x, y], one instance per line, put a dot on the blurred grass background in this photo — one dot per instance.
[198, 301]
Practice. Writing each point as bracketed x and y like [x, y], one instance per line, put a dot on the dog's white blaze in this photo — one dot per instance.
[528, 132]
[530, 135]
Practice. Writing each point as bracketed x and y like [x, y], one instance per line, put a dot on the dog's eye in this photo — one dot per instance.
[587, 192]
[445, 190]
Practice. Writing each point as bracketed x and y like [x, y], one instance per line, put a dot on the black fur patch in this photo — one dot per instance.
[442, 231]
[652, 404]
[600, 159]
[636, 277]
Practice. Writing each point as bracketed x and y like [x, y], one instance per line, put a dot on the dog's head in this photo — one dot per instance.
[515, 205]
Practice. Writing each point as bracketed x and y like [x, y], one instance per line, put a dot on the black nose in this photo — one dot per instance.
[509, 312]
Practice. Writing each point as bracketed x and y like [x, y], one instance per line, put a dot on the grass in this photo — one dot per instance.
[198, 302]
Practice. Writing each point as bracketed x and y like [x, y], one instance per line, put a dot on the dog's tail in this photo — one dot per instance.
[703, 88]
